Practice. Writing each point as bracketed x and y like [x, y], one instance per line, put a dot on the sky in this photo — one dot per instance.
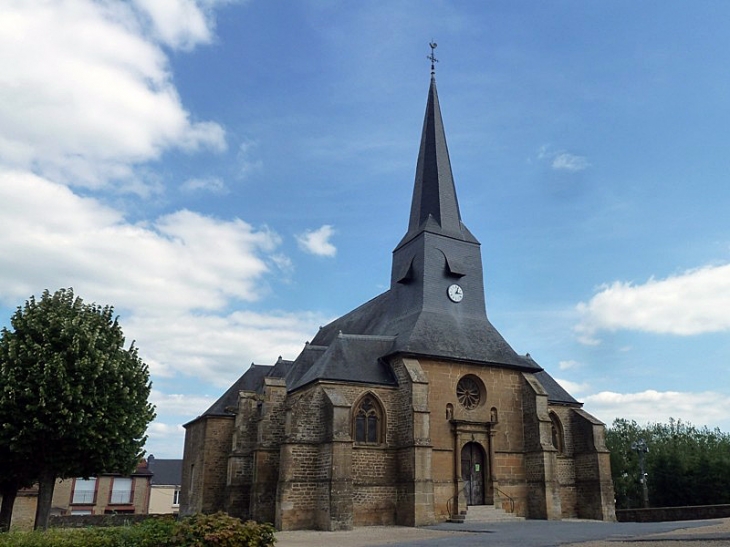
[230, 175]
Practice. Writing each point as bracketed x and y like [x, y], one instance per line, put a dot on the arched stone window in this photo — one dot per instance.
[557, 430]
[368, 421]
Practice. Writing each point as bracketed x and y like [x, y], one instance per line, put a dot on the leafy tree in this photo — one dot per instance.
[686, 465]
[73, 400]
[625, 462]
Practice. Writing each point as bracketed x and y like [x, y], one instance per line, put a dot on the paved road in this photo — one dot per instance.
[539, 533]
[531, 533]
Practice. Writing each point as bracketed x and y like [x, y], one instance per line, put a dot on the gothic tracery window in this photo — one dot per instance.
[368, 421]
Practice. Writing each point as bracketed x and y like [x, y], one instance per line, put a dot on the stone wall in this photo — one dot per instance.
[543, 489]
[208, 442]
[664, 514]
[594, 485]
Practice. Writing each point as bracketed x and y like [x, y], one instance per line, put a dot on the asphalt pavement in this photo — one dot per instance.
[529, 533]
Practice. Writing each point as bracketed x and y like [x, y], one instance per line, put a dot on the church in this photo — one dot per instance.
[408, 410]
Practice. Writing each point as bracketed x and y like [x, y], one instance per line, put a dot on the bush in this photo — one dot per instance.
[218, 530]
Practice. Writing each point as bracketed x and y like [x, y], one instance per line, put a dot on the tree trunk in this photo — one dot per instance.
[9, 493]
[46, 484]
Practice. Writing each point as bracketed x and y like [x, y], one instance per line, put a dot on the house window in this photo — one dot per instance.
[176, 497]
[84, 491]
[121, 491]
[368, 421]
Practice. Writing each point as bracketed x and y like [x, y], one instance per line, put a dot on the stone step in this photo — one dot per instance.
[489, 513]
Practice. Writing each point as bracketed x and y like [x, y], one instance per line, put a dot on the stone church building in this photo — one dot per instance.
[407, 410]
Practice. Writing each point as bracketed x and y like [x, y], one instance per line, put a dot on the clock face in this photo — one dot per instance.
[455, 292]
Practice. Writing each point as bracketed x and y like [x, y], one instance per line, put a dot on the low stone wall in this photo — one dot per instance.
[84, 521]
[663, 514]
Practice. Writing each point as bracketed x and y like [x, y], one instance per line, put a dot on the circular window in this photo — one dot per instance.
[468, 392]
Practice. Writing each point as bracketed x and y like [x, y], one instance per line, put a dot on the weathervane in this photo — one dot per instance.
[432, 57]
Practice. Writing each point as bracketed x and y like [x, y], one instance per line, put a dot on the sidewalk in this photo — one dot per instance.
[712, 533]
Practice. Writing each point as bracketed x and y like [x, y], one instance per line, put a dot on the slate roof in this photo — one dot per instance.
[165, 472]
[350, 358]
[251, 380]
[435, 207]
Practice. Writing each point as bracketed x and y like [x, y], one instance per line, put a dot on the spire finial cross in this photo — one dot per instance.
[432, 57]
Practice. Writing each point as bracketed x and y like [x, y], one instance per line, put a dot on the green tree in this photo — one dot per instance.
[625, 462]
[686, 465]
[73, 399]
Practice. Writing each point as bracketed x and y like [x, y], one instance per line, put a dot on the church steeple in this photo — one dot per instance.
[435, 304]
[434, 207]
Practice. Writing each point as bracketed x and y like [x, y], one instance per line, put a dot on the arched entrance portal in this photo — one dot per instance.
[473, 473]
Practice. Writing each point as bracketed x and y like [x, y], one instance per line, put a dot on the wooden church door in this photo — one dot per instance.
[472, 472]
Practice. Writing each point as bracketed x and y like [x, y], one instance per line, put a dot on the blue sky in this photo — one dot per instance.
[231, 175]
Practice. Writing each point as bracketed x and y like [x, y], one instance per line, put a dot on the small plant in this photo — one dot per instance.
[221, 530]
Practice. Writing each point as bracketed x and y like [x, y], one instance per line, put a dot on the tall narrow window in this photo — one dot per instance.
[84, 491]
[368, 421]
[557, 430]
[121, 490]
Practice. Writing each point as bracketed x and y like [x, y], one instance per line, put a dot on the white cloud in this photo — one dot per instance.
[690, 303]
[186, 405]
[213, 185]
[180, 262]
[180, 23]
[569, 162]
[561, 160]
[570, 364]
[174, 277]
[112, 104]
[165, 440]
[574, 388]
[317, 242]
[219, 348]
[709, 408]
[247, 161]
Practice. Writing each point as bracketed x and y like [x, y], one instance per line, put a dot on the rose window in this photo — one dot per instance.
[468, 393]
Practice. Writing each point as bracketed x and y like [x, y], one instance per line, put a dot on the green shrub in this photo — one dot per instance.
[220, 530]
[150, 533]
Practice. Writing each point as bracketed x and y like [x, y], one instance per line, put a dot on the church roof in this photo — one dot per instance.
[251, 380]
[435, 207]
[351, 358]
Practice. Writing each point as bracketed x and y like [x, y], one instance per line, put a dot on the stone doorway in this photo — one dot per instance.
[473, 470]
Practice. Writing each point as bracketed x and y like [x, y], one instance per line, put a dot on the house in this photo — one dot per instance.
[104, 494]
[164, 486]
[407, 410]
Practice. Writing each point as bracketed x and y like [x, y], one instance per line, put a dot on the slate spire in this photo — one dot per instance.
[434, 207]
